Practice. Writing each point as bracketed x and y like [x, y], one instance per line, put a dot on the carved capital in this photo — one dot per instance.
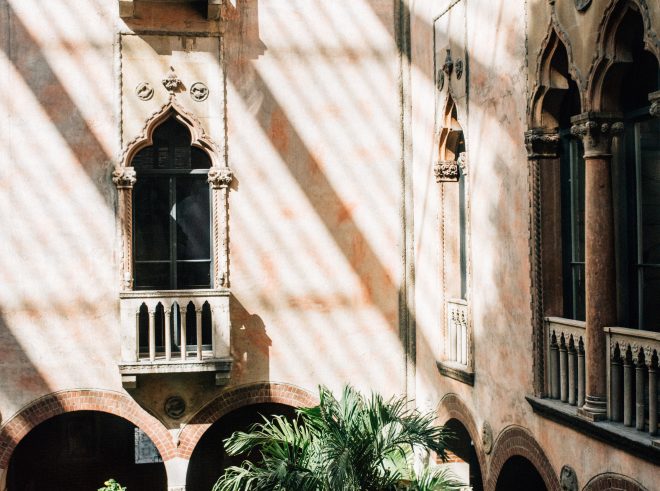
[220, 177]
[445, 171]
[542, 143]
[596, 131]
[124, 177]
[654, 99]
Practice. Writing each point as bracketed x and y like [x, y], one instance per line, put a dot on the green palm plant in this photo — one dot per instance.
[348, 444]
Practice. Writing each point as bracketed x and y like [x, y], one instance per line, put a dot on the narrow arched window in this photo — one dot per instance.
[171, 212]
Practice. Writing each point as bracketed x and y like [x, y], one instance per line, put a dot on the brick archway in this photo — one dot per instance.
[237, 397]
[517, 441]
[610, 480]
[59, 403]
[452, 407]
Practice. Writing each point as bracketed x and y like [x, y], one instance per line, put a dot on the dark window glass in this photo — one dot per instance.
[572, 210]
[172, 218]
[643, 144]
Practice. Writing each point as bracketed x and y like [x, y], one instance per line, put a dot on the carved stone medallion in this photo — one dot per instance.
[568, 479]
[144, 91]
[199, 92]
[175, 407]
[487, 437]
[582, 5]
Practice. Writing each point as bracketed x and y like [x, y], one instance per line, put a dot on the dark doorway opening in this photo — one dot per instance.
[519, 473]
[462, 450]
[78, 451]
[209, 459]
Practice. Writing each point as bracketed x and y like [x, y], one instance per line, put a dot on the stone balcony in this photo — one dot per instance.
[174, 331]
[632, 386]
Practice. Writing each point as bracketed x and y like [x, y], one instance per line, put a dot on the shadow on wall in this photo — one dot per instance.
[250, 347]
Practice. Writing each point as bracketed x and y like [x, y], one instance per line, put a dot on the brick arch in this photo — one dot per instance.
[611, 480]
[235, 398]
[452, 407]
[58, 403]
[517, 441]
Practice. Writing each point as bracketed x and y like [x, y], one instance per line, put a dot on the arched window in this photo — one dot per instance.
[171, 212]
[626, 87]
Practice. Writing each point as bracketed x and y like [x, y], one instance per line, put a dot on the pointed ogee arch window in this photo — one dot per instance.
[172, 212]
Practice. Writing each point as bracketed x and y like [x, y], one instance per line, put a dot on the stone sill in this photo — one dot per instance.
[635, 442]
[138, 294]
[456, 371]
[131, 370]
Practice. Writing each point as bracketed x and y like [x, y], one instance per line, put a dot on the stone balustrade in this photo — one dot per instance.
[457, 332]
[632, 365]
[174, 331]
[565, 363]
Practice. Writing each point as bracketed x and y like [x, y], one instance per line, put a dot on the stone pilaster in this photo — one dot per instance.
[596, 131]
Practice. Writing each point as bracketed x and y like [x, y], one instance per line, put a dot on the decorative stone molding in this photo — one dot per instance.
[596, 131]
[448, 65]
[124, 177]
[220, 177]
[445, 171]
[542, 143]
[568, 479]
[171, 82]
[487, 437]
[654, 99]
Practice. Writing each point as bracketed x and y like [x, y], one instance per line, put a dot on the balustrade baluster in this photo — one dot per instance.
[581, 374]
[615, 393]
[168, 334]
[198, 331]
[653, 400]
[152, 334]
[183, 314]
[452, 337]
[640, 379]
[572, 372]
[554, 367]
[563, 369]
[627, 391]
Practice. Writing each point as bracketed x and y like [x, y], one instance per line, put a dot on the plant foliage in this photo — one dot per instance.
[348, 444]
[112, 485]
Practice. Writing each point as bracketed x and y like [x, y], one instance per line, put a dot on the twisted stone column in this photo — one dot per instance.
[124, 178]
[596, 131]
[545, 228]
[220, 179]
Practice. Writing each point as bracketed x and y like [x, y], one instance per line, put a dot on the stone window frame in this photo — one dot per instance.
[449, 168]
[219, 177]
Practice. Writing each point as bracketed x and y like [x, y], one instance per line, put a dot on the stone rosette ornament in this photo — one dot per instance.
[487, 437]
